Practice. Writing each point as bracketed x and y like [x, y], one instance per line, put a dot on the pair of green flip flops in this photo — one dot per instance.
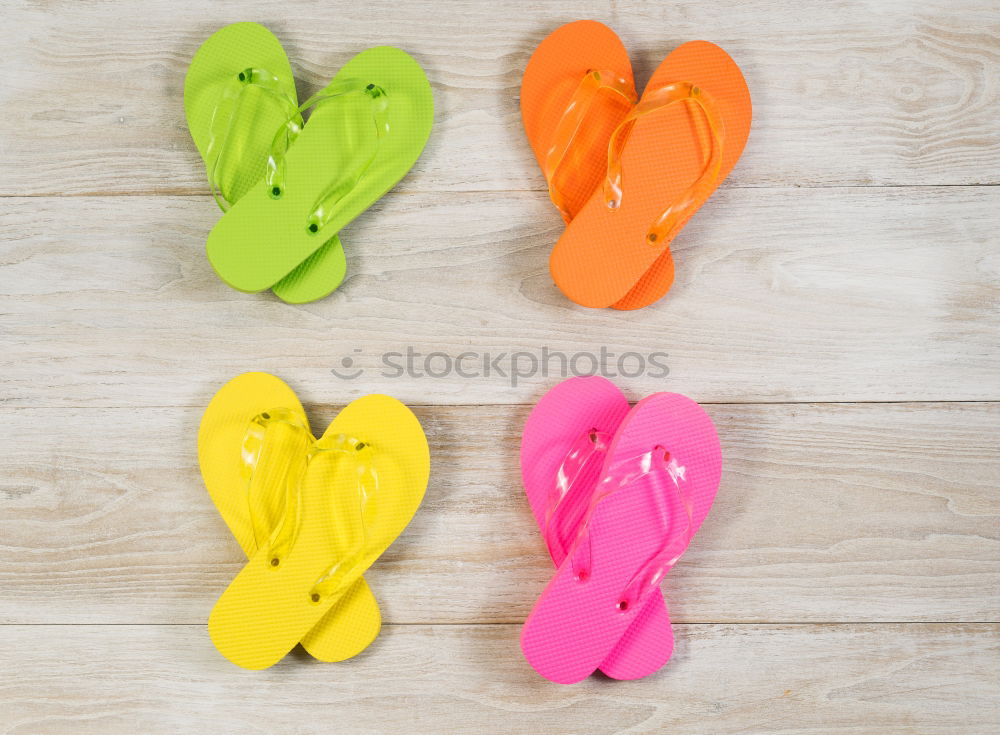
[287, 187]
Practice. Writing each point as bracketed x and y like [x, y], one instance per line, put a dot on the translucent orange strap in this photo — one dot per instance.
[572, 120]
[663, 97]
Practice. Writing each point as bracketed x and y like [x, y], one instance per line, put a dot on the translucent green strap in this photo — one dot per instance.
[268, 465]
[226, 138]
[345, 181]
[701, 188]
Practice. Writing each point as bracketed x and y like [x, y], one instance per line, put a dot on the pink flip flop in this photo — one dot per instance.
[619, 529]
[562, 450]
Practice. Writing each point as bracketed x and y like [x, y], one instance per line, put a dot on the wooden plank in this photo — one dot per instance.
[782, 295]
[788, 679]
[844, 93]
[881, 512]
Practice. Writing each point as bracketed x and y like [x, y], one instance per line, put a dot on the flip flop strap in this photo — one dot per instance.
[294, 465]
[571, 122]
[590, 444]
[322, 209]
[652, 101]
[263, 463]
[335, 581]
[223, 141]
[671, 498]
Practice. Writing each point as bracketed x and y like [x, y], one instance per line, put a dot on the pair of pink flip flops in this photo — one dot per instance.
[617, 494]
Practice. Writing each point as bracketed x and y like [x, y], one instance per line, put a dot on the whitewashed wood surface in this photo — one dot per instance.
[837, 307]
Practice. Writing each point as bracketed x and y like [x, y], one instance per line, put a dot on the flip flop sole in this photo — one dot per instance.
[348, 628]
[323, 271]
[316, 277]
[713, 68]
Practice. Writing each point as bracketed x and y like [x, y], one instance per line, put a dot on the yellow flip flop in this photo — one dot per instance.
[343, 499]
[354, 622]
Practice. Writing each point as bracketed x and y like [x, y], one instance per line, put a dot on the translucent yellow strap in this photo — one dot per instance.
[697, 192]
[269, 468]
[342, 573]
[572, 120]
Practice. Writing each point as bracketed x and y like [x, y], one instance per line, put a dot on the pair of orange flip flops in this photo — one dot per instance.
[628, 172]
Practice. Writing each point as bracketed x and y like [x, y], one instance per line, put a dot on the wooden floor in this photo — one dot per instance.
[837, 309]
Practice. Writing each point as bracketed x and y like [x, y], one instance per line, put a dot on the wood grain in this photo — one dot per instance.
[782, 295]
[472, 680]
[879, 512]
[848, 578]
[845, 93]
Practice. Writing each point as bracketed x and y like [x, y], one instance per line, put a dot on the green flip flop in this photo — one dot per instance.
[238, 93]
[367, 129]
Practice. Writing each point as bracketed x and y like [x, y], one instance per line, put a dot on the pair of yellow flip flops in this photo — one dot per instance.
[311, 515]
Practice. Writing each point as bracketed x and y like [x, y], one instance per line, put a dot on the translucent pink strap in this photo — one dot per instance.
[672, 501]
[588, 445]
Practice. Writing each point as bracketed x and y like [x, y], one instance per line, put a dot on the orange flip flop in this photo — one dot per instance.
[576, 89]
[663, 160]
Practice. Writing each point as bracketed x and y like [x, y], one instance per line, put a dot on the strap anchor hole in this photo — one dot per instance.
[275, 561]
